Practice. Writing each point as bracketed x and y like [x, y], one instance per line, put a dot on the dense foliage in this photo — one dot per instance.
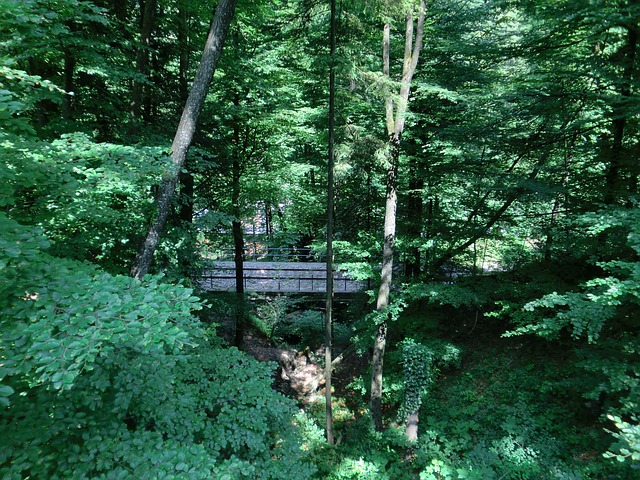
[513, 331]
[107, 377]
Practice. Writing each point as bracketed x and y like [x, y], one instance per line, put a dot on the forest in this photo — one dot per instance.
[473, 163]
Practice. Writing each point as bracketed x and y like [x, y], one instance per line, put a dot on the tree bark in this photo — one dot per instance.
[268, 219]
[412, 427]
[238, 257]
[142, 58]
[615, 184]
[185, 131]
[183, 46]
[395, 121]
[330, 222]
[238, 239]
[68, 99]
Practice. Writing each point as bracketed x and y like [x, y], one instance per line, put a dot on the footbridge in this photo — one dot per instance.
[278, 277]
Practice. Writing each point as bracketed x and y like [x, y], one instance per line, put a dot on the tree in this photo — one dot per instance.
[142, 59]
[395, 113]
[328, 337]
[186, 129]
[239, 153]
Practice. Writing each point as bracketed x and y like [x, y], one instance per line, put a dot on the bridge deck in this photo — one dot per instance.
[273, 277]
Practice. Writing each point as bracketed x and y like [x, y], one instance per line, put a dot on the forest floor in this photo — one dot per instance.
[299, 374]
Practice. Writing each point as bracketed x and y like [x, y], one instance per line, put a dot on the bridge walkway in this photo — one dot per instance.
[275, 277]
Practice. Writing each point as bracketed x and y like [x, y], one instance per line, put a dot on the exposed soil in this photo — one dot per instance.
[299, 373]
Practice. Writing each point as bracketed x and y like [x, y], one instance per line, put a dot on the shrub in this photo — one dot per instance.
[103, 376]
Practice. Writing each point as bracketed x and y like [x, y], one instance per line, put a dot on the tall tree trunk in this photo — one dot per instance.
[238, 257]
[395, 121]
[187, 184]
[142, 59]
[150, 102]
[183, 46]
[412, 427]
[615, 184]
[268, 219]
[186, 129]
[548, 243]
[432, 212]
[238, 239]
[369, 205]
[330, 222]
[69, 69]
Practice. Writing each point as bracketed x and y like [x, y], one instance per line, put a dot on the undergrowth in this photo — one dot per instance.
[501, 416]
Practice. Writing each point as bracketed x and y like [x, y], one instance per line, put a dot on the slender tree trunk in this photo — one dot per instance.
[183, 46]
[280, 215]
[268, 219]
[330, 222]
[186, 129]
[238, 240]
[395, 121]
[548, 244]
[432, 212]
[187, 182]
[142, 59]
[186, 179]
[561, 200]
[369, 205]
[238, 257]
[68, 75]
[69, 70]
[151, 102]
[615, 184]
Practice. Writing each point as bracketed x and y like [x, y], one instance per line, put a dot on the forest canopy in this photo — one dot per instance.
[474, 163]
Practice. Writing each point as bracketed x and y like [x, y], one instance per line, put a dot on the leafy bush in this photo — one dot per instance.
[106, 377]
[90, 198]
[601, 310]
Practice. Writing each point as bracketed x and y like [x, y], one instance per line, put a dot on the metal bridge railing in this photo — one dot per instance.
[274, 254]
[269, 278]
